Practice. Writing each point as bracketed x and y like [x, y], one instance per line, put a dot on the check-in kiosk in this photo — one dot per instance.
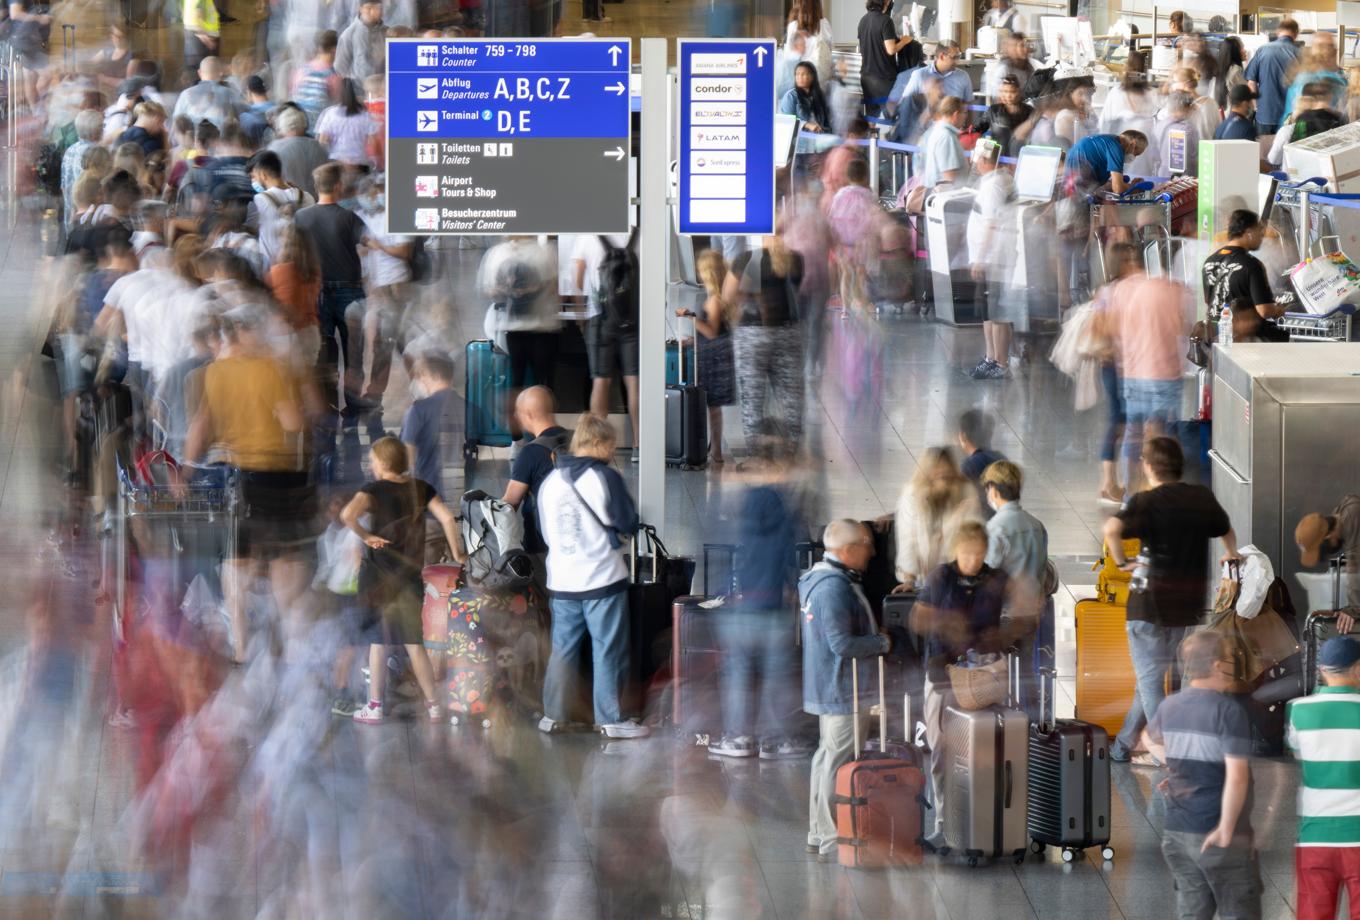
[1035, 278]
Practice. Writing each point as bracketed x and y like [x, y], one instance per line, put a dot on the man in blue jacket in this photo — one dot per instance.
[838, 627]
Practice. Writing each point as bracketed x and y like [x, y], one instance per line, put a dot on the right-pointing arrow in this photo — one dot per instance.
[618, 89]
[616, 153]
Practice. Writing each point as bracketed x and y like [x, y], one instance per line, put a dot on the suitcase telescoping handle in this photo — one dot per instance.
[882, 706]
[1336, 564]
[680, 348]
[1046, 697]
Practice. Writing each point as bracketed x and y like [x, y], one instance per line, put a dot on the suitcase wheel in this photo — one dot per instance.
[1107, 853]
[1036, 847]
[1019, 858]
[972, 862]
[1069, 855]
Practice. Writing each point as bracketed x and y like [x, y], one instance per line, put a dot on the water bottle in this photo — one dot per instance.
[1139, 581]
[1225, 327]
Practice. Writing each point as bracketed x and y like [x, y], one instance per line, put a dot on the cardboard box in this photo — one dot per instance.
[1333, 155]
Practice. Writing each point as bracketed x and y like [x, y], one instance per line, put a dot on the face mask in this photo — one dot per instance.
[258, 187]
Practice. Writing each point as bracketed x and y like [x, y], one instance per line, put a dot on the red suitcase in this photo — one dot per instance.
[879, 800]
[440, 582]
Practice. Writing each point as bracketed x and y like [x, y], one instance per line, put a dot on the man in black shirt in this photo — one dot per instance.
[1233, 273]
[1174, 521]
[1000, 120]
[336, 233]
[878, 49]
[537, 413]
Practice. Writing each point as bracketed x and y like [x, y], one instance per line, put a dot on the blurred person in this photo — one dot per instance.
[375, 101]
[807, 232]
[387, 274]
[715, 364]
[1123, 260]
[991, 241]
[610, 350]
[1240, 125]
[757, 654]
[1003, 16]
[390, 588]
[316, 85]
[1175, 522]
[1017, 544]
[1005, 115]
[202, 34]
[1317, 66]
[147, 129]
[943, 72]
[934, 505]
[180, 388]
[1014, 62]
[1147, 325]
[959, 613]
[1179, 118]
[1247, 325]
[294, 279]
[158, 326]
[1099, 159]
[276, 201]
[118, 115]
[111, 62]
[337, 233]
[89, 129]
[1204, 111]
[361, 48]
[1352, 110]
[1203, 735]
[1309, 116]
[300, 155]
[210, 98]
[1039, 130]
[152, 179]
[878, 48]
[422, 427]
[975, 441]
[1232, 273]
[196, 156]
[1322, 737]
[838, 630]
[767, 343]
[837, 161]
[255, 114]
[1319, 534]
[250, 412]
[1232, 63]
[346, 127]
[853, 217]
[945, 160]
[536, 412]
[806, 102]
[586, 516]
[806, 18]
[1076, 119]
[1267, 73]
[1092, 163]
[517, 277]
[227, 229]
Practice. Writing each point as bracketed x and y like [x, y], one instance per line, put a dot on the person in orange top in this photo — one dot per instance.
[375, 88]
[295, 281]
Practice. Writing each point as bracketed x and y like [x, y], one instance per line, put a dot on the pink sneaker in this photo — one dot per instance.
[434, 711]
[370, 713]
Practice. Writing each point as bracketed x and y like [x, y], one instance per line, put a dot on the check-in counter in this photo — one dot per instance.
[1286, 439]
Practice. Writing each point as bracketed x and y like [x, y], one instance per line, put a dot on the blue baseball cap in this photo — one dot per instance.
[1339, 653]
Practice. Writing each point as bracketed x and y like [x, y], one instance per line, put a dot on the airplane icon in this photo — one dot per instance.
[427, 88]
[427, 121]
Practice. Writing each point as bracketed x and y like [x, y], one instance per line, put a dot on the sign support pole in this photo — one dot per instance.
[653, 189]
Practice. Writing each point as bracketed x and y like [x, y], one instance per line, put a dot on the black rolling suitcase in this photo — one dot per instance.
[1069, 782]
[686, 420]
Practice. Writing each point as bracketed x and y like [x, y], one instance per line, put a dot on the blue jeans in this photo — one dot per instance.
[758, 651]
[1114, 427]
[606, 620]
[1153, 650]
[1148, 401]
[331, 308]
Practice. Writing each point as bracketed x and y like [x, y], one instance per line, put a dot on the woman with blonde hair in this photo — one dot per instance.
[934, 505]
[389, 575]
[767, 339]
[713, 345]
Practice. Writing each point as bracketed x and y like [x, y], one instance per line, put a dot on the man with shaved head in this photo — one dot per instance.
[838, 628]
[536, 411]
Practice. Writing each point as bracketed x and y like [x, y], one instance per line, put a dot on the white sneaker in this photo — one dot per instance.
[433, 711]
[549, 726]
[730, 746]
[370, 713]
[626, 730]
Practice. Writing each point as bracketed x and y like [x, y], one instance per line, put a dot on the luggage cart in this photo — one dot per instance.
[1137, 213]
[1313, 327]
[159, 516]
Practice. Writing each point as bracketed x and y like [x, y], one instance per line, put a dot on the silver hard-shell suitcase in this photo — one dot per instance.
[986, 779]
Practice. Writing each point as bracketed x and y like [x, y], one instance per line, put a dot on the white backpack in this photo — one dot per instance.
[493, 533]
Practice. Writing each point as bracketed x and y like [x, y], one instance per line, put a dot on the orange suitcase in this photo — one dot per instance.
[440, 581]
[1105, 683]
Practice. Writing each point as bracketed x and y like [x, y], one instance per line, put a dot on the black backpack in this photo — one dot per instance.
[47, 169]
[618, 284]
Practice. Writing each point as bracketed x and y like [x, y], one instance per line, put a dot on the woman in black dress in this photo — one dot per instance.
[390, 588]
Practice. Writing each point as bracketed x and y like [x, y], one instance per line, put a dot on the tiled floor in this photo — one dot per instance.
[318, 817]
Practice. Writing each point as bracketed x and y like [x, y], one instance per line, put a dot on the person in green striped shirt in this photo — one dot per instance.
[1324, 734]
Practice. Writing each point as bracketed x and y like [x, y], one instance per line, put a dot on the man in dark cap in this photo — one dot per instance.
[1332, 533]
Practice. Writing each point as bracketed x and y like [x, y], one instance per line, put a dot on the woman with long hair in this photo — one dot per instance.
[807, 19]
[713, 344]
[935, 502]
[806, 100]
[346, 127]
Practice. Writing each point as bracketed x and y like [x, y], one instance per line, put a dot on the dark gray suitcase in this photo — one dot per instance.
[686, 421]
[1069, 782]
[986, 780]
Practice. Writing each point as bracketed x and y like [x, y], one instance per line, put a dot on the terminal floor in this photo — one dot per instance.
[571, 827]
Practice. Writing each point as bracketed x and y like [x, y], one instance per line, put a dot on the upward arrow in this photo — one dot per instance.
[614, 52]
[760, 56]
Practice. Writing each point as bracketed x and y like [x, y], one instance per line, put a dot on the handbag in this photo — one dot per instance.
[1327, 281]
[1259, 643]
[979, 686]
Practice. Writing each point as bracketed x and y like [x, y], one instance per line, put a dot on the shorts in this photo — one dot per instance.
[277, 514]
[609, 351]
[1152, 400]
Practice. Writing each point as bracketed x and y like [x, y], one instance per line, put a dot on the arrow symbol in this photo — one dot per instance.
[614, 52]
[760, 56]
[618, 89]
[616, 154]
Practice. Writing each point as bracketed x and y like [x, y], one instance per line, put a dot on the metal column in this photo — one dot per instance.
[653, 189]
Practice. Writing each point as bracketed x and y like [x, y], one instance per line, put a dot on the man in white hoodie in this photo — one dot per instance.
[360, 52]
[586, 517]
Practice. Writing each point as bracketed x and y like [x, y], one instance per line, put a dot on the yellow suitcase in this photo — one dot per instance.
[1105, 684]
[1112, 584]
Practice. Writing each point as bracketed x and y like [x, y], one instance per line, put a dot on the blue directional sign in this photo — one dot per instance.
[504, 136]
[727, 136]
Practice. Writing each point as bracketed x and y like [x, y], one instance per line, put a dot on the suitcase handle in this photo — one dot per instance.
[1046, 698]
[680, 349]
[1009, 786]
[882, 705]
